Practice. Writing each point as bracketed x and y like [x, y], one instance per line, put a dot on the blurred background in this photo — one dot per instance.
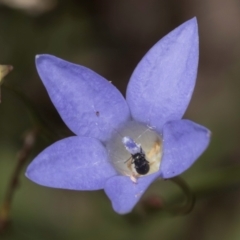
[110, 37]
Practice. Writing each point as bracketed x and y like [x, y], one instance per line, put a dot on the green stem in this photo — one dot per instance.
[201, 186]
[22, 156]
[187, 205]
[204, 185]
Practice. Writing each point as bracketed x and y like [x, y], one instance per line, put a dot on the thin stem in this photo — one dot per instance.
[22, 156]
[202, 185]
[188, 204]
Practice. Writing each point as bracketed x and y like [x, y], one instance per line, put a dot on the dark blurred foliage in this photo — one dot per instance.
[110, 37]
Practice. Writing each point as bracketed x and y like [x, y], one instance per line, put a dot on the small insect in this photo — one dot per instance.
[138, 156]
[140, 163]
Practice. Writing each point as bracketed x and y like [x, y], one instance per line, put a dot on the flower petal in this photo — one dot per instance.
[124, 194]
[183, 142]
[161, 86]
[89, 105]
[77, 163]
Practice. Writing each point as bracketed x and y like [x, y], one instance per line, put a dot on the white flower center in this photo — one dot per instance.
[135, 150]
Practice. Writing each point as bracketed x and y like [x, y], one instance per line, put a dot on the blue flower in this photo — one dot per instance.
[157, 96]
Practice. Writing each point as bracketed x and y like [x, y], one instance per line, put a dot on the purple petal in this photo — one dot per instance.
[89, 105]
[77, 163]
[124, 194]
[183, 142]
[162, 84]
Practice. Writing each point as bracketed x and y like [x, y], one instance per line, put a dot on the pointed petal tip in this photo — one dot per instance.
[193, 20]
[47, 59]
[28, 172]
[191, 23]
[191, 26]
[41, 57]
[209, 133]
[187, 31]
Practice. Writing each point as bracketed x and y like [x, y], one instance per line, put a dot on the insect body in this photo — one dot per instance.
[138, 156]
[140, 163]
